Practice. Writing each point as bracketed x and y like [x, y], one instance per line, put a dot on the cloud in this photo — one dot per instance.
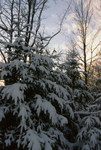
[50, 29]
[54, 16]
[67, 28]
[70, 16]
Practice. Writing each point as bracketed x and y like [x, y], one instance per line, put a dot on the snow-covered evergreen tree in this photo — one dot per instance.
[90, 127]
[32, 101]
[71, 66]
[81, 95]
[89, 136]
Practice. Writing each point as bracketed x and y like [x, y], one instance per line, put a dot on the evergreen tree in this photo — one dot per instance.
[32, 101]
[80, 94]
[71, 66]
[90, 127]
[89, 135]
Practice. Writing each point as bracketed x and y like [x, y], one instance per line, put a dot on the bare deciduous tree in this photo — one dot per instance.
[22, 18]
[83, 15]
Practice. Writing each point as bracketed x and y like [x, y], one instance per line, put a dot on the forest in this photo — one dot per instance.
[49, 100]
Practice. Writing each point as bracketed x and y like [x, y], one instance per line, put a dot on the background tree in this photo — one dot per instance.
[81, 96]
[71, 67]
[95, 74]
[83, 14]
[23, 18]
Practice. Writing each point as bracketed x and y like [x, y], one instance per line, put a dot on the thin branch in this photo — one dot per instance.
[4, 58]
[38, 21]
[60, 26]
[87, 113]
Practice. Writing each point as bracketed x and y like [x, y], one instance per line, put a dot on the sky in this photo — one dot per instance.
[53, 16]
